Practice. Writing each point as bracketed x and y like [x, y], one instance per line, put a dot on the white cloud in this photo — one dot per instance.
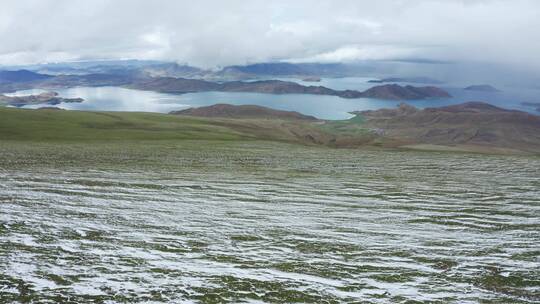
[356, 53]
[216, 33]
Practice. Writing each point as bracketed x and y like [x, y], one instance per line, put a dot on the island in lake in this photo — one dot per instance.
[50, 98]
[407, 79]
[312, 79]
[482, 88]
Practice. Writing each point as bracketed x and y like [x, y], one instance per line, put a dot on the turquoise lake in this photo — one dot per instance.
[325, 107]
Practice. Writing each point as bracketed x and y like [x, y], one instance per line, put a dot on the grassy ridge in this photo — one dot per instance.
[55, 125]
[46, 125]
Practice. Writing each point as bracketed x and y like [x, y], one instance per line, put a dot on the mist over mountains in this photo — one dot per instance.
[436, 72]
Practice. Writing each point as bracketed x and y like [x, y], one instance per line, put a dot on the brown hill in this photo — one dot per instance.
[242, 111]
[472, 123]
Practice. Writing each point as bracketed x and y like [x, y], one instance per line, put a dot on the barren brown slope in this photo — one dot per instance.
[472, 123]
[242, 111]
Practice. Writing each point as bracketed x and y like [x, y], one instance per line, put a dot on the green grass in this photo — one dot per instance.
[127, 128]
[357, 119]
[52, 125]
[56, 125]
[349, 127]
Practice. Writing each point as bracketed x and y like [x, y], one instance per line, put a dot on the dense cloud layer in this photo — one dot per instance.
[217, 33]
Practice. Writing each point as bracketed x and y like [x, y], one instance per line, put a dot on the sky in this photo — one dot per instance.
[212, 34]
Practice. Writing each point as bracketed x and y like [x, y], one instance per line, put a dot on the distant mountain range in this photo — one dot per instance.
[228, 73]
[415, 71]
[29, 80]
[291, 69]
[12, 81]
[21, 76]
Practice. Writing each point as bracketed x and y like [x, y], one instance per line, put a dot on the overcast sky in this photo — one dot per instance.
[218, 33]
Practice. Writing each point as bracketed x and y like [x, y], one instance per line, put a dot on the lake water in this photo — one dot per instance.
[326, 107]
[266, 223]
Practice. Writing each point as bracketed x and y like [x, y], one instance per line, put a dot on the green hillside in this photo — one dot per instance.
[58, 125]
